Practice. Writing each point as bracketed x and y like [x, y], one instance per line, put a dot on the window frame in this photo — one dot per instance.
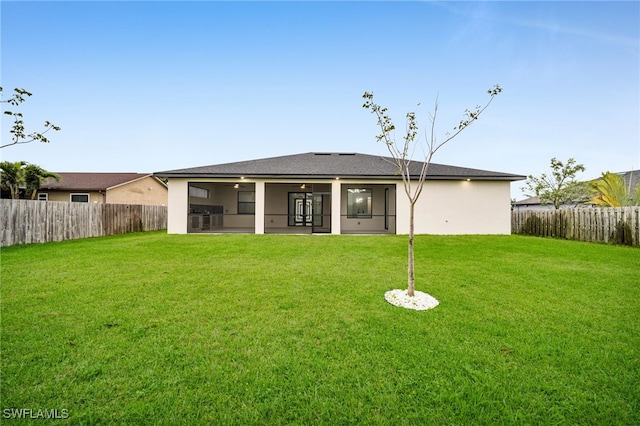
[368, 213]
[247, 207]
[74, 194]
[198, 192]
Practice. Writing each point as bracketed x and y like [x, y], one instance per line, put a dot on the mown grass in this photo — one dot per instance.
[286, 329]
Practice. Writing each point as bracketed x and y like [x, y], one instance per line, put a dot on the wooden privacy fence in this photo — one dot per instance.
[616, 225]
[28, 221]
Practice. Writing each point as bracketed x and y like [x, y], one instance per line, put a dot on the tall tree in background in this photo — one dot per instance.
[612, 191]
[560, 186]
[402, 156]
[20, 174]
[18, 132]
[11, 174]
[33, 177]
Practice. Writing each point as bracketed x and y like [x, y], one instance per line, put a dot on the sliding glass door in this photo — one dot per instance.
[309, 209]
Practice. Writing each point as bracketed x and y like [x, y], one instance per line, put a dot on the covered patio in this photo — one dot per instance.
[304, 207]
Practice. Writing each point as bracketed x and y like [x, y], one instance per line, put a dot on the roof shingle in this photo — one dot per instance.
[332, 165]
[81, 181]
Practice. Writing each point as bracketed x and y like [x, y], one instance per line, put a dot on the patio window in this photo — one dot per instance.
[196, 191]
[246, 202]
[359, 202]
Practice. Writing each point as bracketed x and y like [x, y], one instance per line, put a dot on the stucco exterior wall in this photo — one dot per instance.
[147, 191]
[94, 196]
[445, 207]
[458, 207]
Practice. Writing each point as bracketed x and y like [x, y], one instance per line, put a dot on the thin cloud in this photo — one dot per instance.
[579, 32]
[479, 11]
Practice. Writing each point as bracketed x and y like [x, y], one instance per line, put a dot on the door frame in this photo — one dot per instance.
[307, 203]
[310, 218]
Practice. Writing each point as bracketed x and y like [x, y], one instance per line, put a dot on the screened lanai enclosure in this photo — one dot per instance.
[291, 208]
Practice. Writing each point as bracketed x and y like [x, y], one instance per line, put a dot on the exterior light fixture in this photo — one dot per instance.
[236, 186]
[303, 186]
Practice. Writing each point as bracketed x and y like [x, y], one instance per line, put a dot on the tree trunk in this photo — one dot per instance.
[411, 280]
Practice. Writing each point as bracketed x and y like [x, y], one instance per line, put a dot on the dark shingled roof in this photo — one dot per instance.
[90, 181]
[631, 178]
[330, 165]
[528, 202]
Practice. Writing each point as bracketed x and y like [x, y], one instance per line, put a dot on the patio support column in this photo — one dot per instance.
[178, 206]
[259, 211]
[335, 206]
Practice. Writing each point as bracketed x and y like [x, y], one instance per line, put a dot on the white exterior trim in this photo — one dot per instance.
[336, 186]
[178, 206]
[259, 212]
[72, 194]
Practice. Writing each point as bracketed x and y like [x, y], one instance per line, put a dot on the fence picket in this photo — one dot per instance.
[616, 225]
[29, 221]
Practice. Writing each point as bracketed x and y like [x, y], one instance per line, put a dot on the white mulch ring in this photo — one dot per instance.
[420, 301]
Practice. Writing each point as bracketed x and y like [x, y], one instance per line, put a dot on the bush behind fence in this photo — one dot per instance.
[28, 221]
[615, 225]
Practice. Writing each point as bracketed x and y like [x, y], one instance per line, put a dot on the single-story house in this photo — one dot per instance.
[531, 203]
[534, 203]
[112, 188]
[337, 193]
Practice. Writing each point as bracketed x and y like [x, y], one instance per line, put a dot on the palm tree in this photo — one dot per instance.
[23, 175]
[12, 176]
[611, 191]
[33, 177]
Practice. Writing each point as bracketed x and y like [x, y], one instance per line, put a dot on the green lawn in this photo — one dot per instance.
[287, 329]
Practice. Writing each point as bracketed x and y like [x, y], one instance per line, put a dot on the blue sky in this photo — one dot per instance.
[152, 86]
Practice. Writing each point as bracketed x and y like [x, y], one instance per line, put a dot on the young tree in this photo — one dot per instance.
[402, 156]
[560, 186]
[18, 133]
[611, 191]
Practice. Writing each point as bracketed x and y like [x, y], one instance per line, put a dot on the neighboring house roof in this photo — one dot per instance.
[632, 176]
[535, 202]
[531, 201]
[72, 181]
[332, 165]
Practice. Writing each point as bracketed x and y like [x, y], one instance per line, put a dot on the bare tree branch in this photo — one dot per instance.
[402, 155]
